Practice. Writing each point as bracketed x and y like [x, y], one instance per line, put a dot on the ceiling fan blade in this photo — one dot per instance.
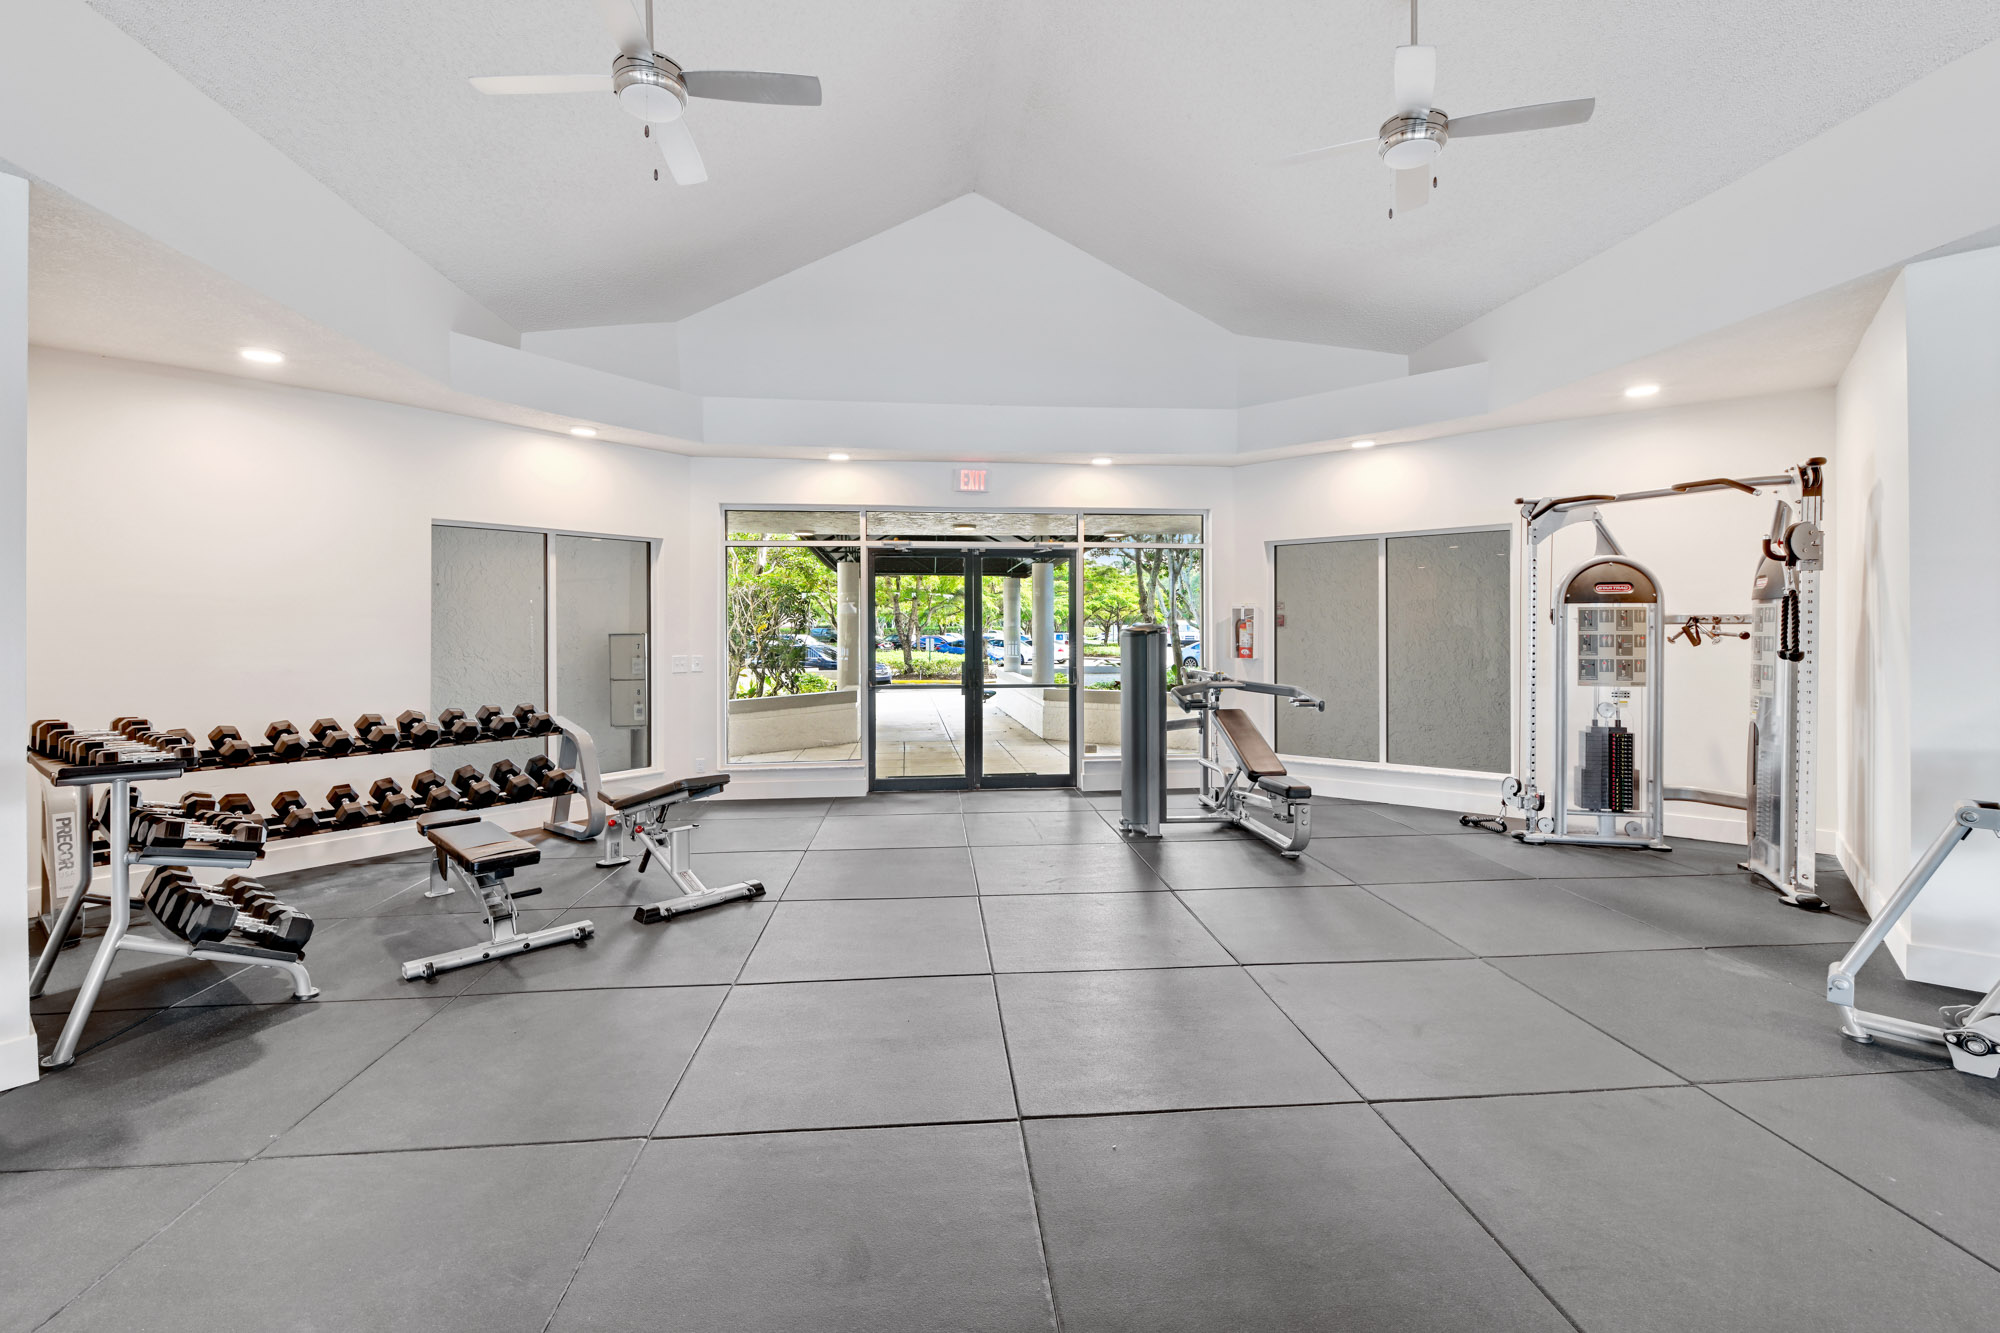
[1413, 188]
[1416, 77]
[743, 85]
[1541, 116]
[626, 22]
[502, 84]
[1314, 154]
[677, 146]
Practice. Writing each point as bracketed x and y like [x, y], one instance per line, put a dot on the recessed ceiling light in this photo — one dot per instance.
[1114, 536]
[836, 458]
[965, 527]
[1362, 444]
[263, 356]
[1642, 391]
[1100, 462]
[803, 532]
[584, 431]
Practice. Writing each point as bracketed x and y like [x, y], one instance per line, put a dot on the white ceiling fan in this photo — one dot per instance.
[1411, 139]
[655, 90]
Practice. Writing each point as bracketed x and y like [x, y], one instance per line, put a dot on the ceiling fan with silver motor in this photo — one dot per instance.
[1411, 139]
[655, 90]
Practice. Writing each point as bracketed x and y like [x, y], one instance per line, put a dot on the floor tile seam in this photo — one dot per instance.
[1615, 911]
[1041, 1228]
[1419, 923]
[657, 1137]
[1004, 972]
[638, 1152]
[1519, 1264]
[126, 1257]
[404, 1150]
[1531, 989]
[1299, 1028]
[1811, 1156]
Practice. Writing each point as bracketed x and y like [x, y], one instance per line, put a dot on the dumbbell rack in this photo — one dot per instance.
[118, 933]
[577, 754]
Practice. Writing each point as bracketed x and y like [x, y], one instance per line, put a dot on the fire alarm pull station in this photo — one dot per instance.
[1244, 620]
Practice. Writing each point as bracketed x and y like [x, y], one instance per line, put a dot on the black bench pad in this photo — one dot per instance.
[483, 848]
[648, 791]
[1286, 787]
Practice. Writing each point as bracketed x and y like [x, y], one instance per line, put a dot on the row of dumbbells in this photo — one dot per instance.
[387, 802]
[204, 914]
[198, 820]
[130, 740]
[372, 733]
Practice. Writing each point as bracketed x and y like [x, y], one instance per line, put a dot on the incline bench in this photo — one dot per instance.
[481, 857]
[640, 805]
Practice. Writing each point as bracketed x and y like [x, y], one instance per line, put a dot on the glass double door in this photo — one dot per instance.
[970, 669]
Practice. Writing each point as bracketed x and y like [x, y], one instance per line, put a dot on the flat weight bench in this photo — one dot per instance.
[640, 807]
[482, 857]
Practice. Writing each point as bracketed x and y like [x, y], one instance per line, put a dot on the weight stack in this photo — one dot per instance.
[1608, 754]
[1142, 728]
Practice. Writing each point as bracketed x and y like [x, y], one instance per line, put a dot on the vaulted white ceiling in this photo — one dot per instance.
[1142, 133]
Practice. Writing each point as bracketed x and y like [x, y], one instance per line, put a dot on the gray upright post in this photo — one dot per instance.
[1045, 623]
[1142, 728]
[1010, 604]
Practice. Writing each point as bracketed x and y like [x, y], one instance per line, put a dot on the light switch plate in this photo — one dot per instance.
[680, 663]
[694, 662]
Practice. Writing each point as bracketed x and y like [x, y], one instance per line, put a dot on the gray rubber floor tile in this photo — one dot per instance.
[1938, 1164]
[854, 1231]
[530, 1068]
[1424, 820]
[1089, 931]
[361, 958]
[1035, 828]
[61, 1230]
[1706, 1017]
[1341, 819]
[895, 803]
[777, 807]
[1881, 986]
[1499, 917]
[776, 834]
[1569, 861]
[1085, 869]
[1313, 924]
[1447, 1029]
[830, 1054]
[704, 948]
[386, 886]
[1002, 800]
[136, 980]
[1663, 1210]
[478, 1239]
[1239, 862]
[199, 1084]
[864, 831]
[1418, 859]
[873, 937]
[892, 872]
[1716, 910]
[625, 886]
[1289, 1218]
[1089, 1043]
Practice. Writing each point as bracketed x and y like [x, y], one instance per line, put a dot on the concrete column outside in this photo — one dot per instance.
[850, 637]
[17, 1035]
[1010, 599]
[1044, 609]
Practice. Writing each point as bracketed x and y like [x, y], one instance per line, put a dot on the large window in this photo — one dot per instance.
[558, 620]
[798, 650]
[1406, 638]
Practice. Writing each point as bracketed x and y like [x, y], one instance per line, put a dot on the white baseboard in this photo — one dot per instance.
[811, 781]
[20, 1059]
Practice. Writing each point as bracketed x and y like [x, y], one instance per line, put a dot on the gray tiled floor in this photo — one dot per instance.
[957, 1070]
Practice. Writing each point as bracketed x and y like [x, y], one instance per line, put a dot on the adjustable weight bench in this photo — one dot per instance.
[1255, 793]
[640, 806]
[481, 858]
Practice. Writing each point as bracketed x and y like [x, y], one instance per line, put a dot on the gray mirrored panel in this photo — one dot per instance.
[1448, 650]
[1325, 631]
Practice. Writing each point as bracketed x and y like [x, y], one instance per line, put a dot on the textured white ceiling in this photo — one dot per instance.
[1142, 133]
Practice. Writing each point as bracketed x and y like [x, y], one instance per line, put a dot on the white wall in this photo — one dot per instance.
[17, 1035]
[1703, 549]
[287, 570]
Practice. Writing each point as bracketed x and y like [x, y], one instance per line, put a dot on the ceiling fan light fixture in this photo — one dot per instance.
[650, 90]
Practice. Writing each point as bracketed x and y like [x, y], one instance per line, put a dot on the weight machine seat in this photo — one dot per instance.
[624, 796]
[1259, 760]
[1291, 791]
[481, 848]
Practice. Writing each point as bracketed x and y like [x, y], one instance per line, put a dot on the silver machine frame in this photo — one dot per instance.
[1972, 1037]
[578, 754]
[694, 895]
[118, 933]
[1780, 802]
[1227, 794]
[502, 917]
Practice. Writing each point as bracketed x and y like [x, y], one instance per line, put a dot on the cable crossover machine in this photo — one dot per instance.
[1604, 702]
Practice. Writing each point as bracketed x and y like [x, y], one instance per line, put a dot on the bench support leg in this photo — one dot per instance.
[694, 895]
[502, 922]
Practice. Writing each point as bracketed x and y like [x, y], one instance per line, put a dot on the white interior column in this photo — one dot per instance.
[1010, 601]
[1045, 623]
[17, 1034]
[849, 645]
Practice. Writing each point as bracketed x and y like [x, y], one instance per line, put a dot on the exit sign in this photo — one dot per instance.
[972, 479]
